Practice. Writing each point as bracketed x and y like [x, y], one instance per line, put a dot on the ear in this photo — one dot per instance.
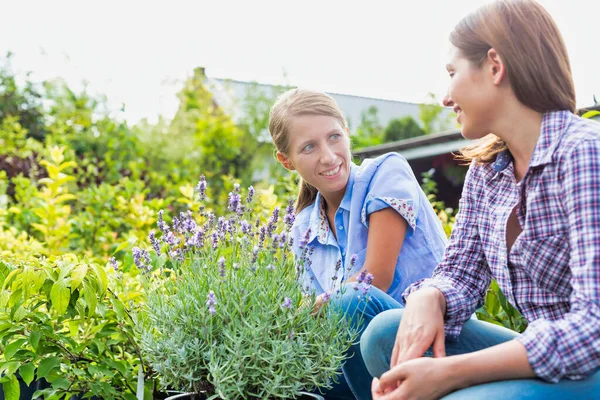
[496, 65]
[283, 160]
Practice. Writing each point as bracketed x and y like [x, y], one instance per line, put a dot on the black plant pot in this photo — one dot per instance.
[194, 396]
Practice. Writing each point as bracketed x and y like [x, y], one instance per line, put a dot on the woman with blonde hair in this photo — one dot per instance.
[364, 225]
[529, 217]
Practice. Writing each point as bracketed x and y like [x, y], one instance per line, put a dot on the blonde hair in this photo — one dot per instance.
[293, 103]
[533, 51]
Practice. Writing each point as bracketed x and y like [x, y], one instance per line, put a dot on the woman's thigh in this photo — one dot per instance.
[532, 389]
[377, 342]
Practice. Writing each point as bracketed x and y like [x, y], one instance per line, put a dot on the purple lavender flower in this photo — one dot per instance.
[369, 279]
[170, 239]
[197, 239]
[188, 224]
[250, 195]
[211, 302]
[215, 240]
[155, 243]
[353, 259]
[287, 303]
[221, 263]
[270, 267]
[275, 242]
[272, 224]
[113, 263]
[282, 240]
[161, 223]
[201, 188]
[236, 266]
[246, 227]
[141, 259]
[254, 254]
[289, 215]
[326, 297]
[305, 238]
[262, 236]
[361, 277]
[234, 202]
[211, 219]
[177, 225]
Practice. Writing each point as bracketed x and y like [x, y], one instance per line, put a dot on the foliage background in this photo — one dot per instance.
[79, 186]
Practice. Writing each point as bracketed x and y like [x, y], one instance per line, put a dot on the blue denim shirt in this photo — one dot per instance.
[386, 181]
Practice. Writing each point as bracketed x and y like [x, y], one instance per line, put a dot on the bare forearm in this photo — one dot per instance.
[504, 361]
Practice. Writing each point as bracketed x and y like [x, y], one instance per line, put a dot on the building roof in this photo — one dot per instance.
[229, 93]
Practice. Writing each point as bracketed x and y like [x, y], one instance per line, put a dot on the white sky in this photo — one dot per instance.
[139, 52]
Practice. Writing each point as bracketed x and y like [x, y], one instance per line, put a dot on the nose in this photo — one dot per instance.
[447, 101]
[328, 156]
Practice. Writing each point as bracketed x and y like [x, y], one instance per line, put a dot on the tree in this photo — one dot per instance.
[432, 116]
[370, 131]
[402, 128]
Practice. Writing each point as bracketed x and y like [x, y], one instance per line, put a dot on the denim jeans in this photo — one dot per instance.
[355, 380]
[378, 340]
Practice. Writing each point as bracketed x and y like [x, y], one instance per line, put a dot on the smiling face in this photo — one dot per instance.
[472, 94]
[319, 149]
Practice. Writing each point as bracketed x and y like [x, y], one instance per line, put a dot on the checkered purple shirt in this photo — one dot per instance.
[552, 272]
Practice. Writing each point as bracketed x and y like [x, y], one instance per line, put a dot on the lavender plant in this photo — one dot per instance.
[225, 315]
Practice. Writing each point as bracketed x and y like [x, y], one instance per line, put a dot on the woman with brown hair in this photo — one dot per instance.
[529, 217]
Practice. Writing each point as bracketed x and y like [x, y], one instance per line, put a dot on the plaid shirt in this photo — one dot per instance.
[552, 271]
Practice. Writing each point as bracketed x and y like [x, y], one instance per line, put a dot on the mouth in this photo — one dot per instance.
[457, 110]
[332, 172]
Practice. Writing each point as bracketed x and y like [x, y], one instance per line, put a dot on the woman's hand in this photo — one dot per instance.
[423, 378]
[422, 326]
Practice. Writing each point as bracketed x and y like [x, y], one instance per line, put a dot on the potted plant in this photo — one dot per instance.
[225, 317]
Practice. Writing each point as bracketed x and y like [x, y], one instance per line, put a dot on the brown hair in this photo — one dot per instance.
[533, 51]
[297, 102]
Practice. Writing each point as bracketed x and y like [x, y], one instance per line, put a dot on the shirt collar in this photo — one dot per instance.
[319, 224]
[553, 124]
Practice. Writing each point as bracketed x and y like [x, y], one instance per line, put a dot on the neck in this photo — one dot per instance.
[333, 200]
[520, 132]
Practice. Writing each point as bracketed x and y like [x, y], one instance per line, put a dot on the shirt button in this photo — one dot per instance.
[341, 228]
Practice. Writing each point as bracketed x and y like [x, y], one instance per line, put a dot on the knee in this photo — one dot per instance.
[377, 341]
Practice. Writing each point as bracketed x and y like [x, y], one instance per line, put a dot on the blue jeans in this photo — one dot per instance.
[355, 380]
[378, 340]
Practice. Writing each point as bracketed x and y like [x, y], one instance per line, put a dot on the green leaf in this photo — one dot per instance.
[77, 275]
[12, 390]
[46, 366]
[27, 372]
[34, 339]
[90, 298]
[60, 383]
[60, 296]
[119, 307]
[12, 348]
[102, 278]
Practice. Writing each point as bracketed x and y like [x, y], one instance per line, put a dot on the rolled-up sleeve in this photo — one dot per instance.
[463, 276]
[393, 186]
[570, 346]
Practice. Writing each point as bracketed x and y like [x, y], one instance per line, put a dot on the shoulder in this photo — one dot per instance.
[580, 135]
[389, 163]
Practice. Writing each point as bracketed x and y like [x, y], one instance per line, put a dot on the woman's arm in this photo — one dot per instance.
[387, 230]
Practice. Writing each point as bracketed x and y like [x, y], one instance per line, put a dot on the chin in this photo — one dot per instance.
[472, 133]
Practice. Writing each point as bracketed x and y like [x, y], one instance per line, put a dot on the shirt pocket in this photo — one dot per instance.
[546, 261]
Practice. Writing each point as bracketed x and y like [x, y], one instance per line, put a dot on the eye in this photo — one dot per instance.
[308, 148]
[336, 136]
